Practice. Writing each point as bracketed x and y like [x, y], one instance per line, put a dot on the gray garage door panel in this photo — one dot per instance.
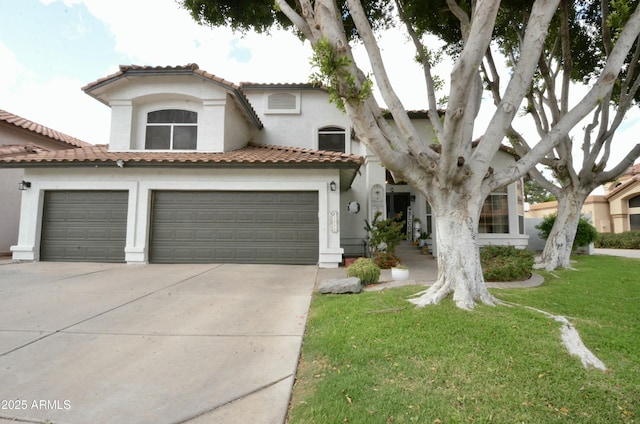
[234, 227]
[84, 226]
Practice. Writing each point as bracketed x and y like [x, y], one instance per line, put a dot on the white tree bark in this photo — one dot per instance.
[459, 269]
[559, 245]
[573, 342]
[456, 179]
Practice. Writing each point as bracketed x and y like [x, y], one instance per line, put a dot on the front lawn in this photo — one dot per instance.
[375, 358]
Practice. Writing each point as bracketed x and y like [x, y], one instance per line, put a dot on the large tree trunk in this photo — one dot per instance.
[559, 245]
[459, 268]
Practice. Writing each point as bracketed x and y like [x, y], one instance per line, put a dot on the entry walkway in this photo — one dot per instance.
[423, 269]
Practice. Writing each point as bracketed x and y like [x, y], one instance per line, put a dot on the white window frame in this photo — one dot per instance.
[172, 126]
[332, 129]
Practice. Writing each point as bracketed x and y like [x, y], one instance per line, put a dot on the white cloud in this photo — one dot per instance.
[11, 69]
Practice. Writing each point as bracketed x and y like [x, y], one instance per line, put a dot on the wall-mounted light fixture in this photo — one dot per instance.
[333, 186]
[24, 185]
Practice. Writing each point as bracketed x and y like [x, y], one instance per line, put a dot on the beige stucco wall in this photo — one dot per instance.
[595, 206]
[619, 206]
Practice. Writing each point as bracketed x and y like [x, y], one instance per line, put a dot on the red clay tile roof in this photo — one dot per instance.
[251, 155]
[282, 85]
[189, 69]
[634, 170]
[622, 186]
[25, 124]
[20, 149]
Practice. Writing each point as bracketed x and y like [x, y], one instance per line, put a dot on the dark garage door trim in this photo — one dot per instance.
[274, 227]
[84, 226]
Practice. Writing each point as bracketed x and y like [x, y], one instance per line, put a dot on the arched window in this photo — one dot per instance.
[171, 129]
[331, 138]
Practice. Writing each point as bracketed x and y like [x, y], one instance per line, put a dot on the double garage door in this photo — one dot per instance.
[234, 227]
[185, 227]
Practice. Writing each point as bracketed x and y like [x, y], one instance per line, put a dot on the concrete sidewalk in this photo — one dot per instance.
[115, 343]
[625, 253]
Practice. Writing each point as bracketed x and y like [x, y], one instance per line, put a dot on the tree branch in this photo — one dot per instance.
[298, 20]
[434, 115]
[599, 90]
[541, 15]
[392, 101]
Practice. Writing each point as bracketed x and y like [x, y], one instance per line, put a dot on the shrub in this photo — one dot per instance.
[365, 269]
[385, 234]
[506, 263]
[626, 240]
[585, 233]
[385, 260]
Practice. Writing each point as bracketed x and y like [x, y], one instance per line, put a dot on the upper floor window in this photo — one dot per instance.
[331, 138]
[171, 129]
[634, 202]
[494, 217]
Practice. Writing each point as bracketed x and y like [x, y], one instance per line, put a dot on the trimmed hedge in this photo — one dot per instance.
[506, 263]
[626, 240]
[585, 233]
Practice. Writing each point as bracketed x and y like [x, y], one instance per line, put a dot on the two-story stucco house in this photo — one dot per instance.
[199, 169]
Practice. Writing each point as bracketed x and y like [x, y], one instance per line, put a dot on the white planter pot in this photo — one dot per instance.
[399, 274]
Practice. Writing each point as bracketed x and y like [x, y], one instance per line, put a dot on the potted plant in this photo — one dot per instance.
[400, 273]
[417, 226]
[424, 236]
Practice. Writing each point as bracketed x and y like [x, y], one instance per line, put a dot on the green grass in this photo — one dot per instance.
[374, 358]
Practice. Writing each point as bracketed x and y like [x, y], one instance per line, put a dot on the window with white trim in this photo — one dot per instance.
[171, 129]
[429, 216]
[494, 217]
[634, 213]
[332, 139]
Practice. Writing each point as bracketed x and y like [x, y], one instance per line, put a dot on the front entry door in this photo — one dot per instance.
[399, 203]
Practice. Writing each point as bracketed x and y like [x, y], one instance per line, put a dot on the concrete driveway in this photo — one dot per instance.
[115, 343]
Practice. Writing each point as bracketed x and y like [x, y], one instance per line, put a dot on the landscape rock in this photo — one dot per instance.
[340, 285]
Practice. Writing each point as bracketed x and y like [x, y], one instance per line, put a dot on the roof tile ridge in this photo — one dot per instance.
[29, 125]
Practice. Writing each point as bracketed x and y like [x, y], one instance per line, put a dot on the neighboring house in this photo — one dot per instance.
[199, 169]
[616, 211]
[19, 137]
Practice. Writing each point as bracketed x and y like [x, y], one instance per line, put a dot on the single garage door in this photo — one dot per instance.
[234, 227]
[86, 226]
